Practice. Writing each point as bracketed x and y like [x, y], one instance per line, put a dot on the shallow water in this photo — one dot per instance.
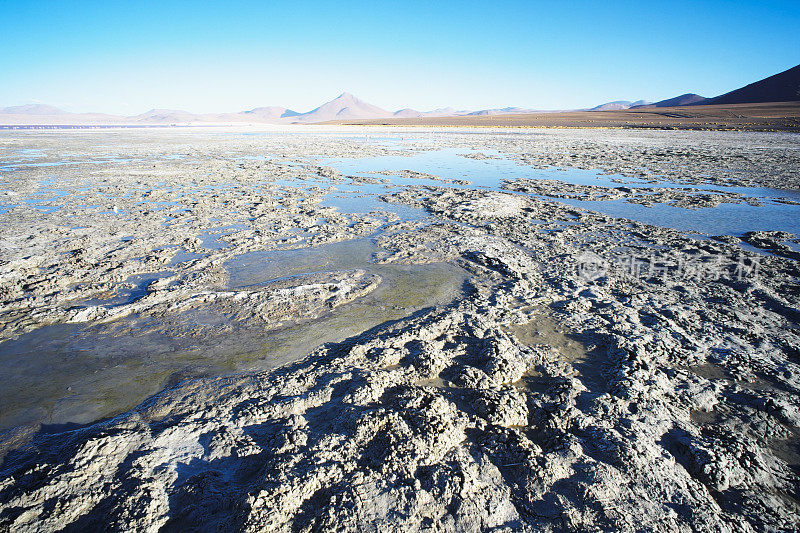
[76, 373]
[566, 345]
[725, 219]
[451, 164]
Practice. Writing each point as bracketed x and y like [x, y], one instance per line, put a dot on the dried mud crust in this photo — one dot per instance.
[96, 229]
[564, 391]
[679, 412]
[684, 197]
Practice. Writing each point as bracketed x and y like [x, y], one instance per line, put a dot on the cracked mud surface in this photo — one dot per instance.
[581, 372]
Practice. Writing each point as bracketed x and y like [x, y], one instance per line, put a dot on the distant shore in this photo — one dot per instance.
[778, 116]
[775, 116]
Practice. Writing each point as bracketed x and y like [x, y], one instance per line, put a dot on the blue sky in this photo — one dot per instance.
[127, 57]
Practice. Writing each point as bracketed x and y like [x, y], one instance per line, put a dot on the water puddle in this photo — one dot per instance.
[130, 290]
[726, 219]
[77, 373]
[571, 348]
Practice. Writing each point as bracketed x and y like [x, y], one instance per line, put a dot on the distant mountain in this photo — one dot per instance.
[267, 115]
[343, 107]
[164, 116]
[270, 113]
[444, 112]
[407, 113]
[502, 111]
[782, 87]
[32, 109]
[684, 99]
[612, 106]
[618, 105]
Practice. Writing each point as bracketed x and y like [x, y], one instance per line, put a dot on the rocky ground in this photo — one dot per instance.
[593, 373]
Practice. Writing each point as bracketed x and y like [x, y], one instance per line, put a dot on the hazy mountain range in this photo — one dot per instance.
[343, 107]
[782, 87]
[618, 105]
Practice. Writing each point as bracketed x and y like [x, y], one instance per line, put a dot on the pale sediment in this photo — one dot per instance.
[595, 373]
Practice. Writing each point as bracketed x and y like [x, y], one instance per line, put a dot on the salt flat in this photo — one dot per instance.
[308, 328]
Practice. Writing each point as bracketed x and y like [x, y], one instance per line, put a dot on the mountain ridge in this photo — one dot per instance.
[781, 87]
[682, 100]
[344, 107]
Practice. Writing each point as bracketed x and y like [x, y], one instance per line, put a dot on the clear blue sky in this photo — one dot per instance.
[127, 57]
